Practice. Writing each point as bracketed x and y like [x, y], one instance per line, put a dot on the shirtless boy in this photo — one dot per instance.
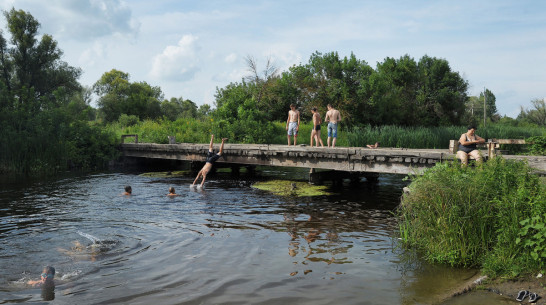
[333, 118]
[315, 133]
[293, 123]
[211, 158]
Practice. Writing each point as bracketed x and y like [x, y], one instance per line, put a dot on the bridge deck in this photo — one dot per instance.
[351, 159]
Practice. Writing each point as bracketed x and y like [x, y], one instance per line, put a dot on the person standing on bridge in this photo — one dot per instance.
[333, 118]
[468, 146]
[315, 133]
[293, 123]
[211, 158]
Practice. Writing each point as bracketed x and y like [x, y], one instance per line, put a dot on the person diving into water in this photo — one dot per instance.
[211, 158]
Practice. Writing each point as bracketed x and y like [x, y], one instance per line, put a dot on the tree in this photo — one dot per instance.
[178, 108]
[203, 111]
[32, 70]
[43, 108]
[537, 115]
[475, 107]
[117, 95]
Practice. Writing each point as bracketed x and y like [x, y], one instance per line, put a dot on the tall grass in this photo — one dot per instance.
[473, 216]
[198, 131]
[431, 137]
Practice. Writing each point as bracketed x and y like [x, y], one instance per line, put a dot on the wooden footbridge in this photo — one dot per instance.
[344, 159]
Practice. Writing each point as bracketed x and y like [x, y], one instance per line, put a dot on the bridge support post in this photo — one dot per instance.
[235, 170]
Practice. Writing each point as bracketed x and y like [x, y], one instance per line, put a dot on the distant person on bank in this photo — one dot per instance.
[333, 118]
[315, 133]
[468, 146]
[211, 158]
[293, 123]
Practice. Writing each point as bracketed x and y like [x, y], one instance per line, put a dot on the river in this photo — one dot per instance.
[226, 244]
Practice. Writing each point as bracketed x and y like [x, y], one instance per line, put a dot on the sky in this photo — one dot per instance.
[190, 48]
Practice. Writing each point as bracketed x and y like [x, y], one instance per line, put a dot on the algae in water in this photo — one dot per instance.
[291, 188]
[165, 174]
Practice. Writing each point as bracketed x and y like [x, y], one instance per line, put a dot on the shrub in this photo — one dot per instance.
[475, 216]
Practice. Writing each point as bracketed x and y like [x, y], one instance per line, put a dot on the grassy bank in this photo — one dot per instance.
[492, 217]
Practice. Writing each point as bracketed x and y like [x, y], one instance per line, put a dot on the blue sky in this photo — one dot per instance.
[189, 48]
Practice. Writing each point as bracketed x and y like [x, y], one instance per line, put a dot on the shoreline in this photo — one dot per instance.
[505, 288]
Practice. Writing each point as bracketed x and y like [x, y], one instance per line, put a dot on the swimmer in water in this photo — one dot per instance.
[46, 278]
[128, 190]
[172, 192]
[89, 252]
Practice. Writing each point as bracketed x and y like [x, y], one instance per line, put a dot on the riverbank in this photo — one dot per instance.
[489, 216]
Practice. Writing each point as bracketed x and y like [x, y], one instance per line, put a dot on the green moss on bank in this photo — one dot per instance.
[291, 188]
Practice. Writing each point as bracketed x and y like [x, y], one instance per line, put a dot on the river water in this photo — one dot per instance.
[226, 244]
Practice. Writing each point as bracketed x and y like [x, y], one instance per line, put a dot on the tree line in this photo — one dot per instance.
[48, 123]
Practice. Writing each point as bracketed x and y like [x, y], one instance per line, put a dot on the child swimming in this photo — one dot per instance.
[46, 277]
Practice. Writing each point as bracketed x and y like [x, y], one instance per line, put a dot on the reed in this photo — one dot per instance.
[431, 137]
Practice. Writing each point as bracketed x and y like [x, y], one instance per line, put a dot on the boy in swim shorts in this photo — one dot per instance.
[293, 123]
[332, 117]
[211, 158]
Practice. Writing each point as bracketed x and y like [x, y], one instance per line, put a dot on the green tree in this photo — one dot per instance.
[42, 105]
[178, 108]
[203, 111]
[537, 115]
[117, 95]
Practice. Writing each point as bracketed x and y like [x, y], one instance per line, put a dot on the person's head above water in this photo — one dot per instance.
[47, 274]
[128, 190]
[171, 190]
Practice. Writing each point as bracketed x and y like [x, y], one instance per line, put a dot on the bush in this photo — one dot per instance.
[476, 216]
[128, 120]
[538, 147]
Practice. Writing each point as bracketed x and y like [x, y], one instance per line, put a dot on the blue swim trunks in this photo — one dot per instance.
[332, 130]
[293, 129]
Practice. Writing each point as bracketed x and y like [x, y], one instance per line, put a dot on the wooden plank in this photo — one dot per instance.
[510, 141]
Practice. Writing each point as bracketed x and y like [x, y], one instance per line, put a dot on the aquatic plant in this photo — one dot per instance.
[477, 216]
[291, 188]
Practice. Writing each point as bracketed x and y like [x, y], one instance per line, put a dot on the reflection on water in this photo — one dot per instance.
[228, 243]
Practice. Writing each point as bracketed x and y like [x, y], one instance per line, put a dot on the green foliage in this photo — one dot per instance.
[128, 120]
[475, 216]
[400, 91]
[118, 96]
[43, 109]
[538, 148]
[239, 117]
[535, 116]
[533, 237]
[432, 137]
[178, 108]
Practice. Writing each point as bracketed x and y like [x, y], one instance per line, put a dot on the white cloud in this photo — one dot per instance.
[80, 19]
[231, 58]
[177, 63]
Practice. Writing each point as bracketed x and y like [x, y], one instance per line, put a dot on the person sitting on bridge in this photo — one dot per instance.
[468, 146]
[376, 145]
[211, 158]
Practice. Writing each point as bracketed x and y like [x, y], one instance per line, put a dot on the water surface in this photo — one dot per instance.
[226, 244]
